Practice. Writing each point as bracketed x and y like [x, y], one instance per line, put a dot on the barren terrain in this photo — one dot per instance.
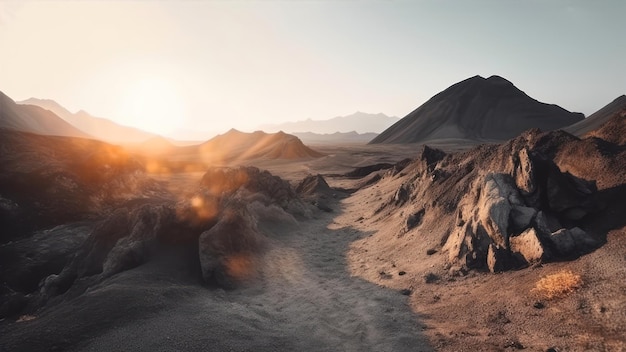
[337, 274]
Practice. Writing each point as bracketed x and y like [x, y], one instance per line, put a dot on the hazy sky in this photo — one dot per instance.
[211, 65]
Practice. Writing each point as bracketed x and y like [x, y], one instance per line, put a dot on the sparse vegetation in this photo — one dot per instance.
[558, 285]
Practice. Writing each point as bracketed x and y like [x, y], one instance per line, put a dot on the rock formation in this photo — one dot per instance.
[509, 205]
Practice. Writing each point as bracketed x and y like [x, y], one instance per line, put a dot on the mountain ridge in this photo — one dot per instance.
[504, 112]
[35, 119]
[359, 122]
[98, 127]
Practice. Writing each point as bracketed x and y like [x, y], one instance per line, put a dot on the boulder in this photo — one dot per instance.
[402, 195]
[524, 173]
[415, 219]
[570, 196]
[563, 242]
[498, 259]
[494, 207]
[521, 217]
[572, 242]
[529, 246]
[225, 181]
[313, 185]
[228, 252]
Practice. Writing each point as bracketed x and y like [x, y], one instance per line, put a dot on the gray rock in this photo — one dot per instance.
[563, 242]
[498, 259]
[584, 241]
[572, 241]
[494, 207]
[402, 195]
[529, 246]
[525, 176]
[229, 250]
[521, 217]
[415, 219]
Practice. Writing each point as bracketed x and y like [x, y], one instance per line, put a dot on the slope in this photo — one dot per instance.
[477, 109]
[98, 127]
[34, 119]
[598, 118]
[236, 146]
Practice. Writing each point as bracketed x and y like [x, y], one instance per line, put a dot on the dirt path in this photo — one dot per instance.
[305, 300]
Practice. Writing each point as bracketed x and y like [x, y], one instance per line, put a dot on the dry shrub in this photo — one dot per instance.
[558, 285]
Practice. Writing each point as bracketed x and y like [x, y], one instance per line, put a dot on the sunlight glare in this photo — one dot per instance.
[154, 105]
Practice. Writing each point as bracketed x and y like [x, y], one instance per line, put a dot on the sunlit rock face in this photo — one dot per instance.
[503, 207]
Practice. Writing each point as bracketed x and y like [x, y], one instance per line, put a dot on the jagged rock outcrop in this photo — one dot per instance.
[228, 251]
[224, 181]
[219, 231]
[511, 204]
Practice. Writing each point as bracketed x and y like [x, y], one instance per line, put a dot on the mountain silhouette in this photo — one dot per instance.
[237, 146]
[100, 128]
[359, 122]
[34, 119]
[598, 118]
[490, 109]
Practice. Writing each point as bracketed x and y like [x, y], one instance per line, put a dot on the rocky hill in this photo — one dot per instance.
[98, 127]
[598, 118]
[238, 146]
[31, 118]
[489, 109]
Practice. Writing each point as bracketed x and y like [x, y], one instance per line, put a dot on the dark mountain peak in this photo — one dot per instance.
[498, 80]
[233, 131]
[479, 109]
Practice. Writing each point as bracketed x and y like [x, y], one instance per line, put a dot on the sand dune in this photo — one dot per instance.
[478, 108]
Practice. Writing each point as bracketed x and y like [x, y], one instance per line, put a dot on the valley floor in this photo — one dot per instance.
[303, 299]
[337, 283]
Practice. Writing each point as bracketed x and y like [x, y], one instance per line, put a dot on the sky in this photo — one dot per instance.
[186, 68]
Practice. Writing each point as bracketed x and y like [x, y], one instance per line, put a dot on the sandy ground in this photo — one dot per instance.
[478, 311]
[303, 299]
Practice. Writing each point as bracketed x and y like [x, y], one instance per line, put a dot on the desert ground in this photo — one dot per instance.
[338, 275]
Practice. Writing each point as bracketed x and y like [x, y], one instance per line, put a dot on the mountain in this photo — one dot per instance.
[98, 127]
[34, 119]
[359, 122]
[335, 138]
[478, 108]
[598, 118]
[235, 146]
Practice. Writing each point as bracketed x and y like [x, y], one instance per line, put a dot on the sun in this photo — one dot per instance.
[154, 105]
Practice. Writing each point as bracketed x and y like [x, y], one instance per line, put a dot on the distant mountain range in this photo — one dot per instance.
[99, 128]
[34, 119]
[335, 138]
[358, 122]
[489, 109]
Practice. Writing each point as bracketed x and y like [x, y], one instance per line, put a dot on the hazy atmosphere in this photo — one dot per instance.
[183, 68]
[271, 176]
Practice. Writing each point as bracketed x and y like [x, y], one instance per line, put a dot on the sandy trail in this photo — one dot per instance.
[304, 300]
